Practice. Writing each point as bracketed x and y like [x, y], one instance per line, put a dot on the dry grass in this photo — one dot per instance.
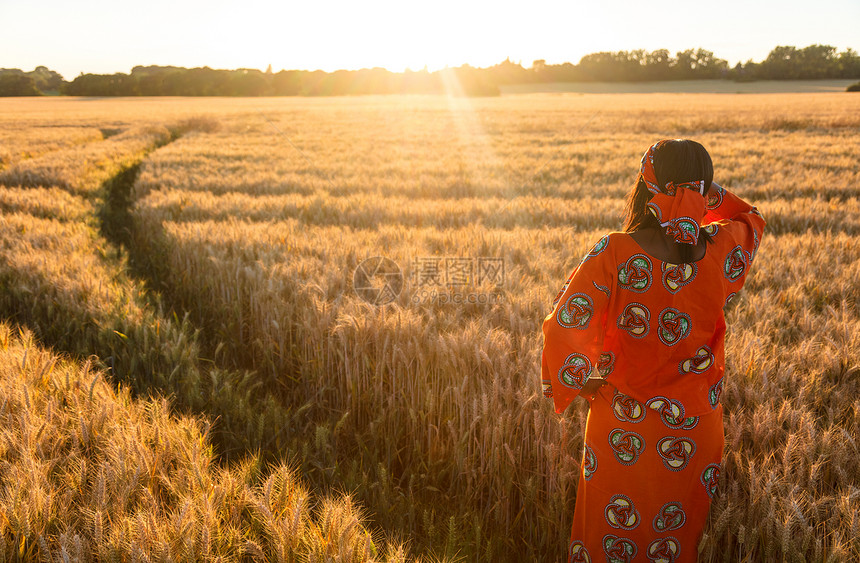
[89, 474]
[82, 169]
[432, 413]
[45, 203]
[107, 477]
[20, 143]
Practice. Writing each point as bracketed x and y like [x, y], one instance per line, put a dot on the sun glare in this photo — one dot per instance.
[399, 36]
[393, 34]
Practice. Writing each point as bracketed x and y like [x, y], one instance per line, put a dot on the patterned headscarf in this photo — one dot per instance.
[678, 207]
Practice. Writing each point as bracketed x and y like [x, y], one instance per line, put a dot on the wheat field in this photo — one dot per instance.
[207, 252]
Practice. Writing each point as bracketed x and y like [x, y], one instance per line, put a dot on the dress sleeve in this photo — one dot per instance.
[573, 331]
[739, 227]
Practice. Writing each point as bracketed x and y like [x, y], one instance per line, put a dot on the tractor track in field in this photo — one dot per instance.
[116, 224]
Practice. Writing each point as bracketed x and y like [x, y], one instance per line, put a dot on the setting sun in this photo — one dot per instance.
[91, 36]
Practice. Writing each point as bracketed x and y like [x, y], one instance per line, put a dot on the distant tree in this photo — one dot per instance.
[630, 65]
[685, 64]
[12, 84]
[138, 70]
[744, 72]
[205, 81]
[709, 66]
[248, 82]
[47, 80]
[420, 81]
[467, 81]
[753, 69]
[658, 65]
[602, 66]
[507, 72]
[699, 63]
[182, 82]
[102, 85]
[150, 84]
[813, 61]
[781, 62]
[338, 83]
[564, 72]
[849, 64]
[313, 83]
[374, 81]
[287, 82]
[541, 72]
[817, 61]
[567, 72]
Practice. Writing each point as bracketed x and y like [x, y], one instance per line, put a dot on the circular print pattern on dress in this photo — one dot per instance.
[618, 550]
[577, 553]
[715, 392]
[635, 274]
[715, 198]
[575, 371]
[576, 311]
[626, 446]
[664, 550]
[589, 463]
[699, 363]
[605, 363]
[676, 276]
[688, 423]
[676, 452]
[670, 517]
[598, 247]
[620, 513]
[634, 319]
[560, 293]
[626, 408]
[683, 230]
[602, 288]
[711, 229]
[671, 412]
[736, 263]
[710, 478]
[729, 298]
[673, 326]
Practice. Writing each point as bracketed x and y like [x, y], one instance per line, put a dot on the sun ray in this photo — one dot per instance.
[483, 168]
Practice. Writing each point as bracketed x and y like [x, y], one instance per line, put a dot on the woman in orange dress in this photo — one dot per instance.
[638, 329]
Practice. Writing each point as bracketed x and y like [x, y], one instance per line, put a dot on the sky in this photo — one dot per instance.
[99, 36]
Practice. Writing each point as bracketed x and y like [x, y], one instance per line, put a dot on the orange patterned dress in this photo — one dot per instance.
[654, 437]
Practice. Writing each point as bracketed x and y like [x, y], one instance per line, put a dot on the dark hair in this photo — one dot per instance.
[679, 160]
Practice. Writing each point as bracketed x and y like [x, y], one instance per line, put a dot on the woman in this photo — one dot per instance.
[638, 330]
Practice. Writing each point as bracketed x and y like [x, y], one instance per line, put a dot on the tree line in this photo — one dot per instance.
[782, 63]
[16, 82]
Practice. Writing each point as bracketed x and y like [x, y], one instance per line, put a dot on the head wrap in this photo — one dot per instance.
[678, 207]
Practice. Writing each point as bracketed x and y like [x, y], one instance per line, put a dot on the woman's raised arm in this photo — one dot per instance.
[574, 329]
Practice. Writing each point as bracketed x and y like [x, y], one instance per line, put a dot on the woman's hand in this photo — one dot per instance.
[589, 390]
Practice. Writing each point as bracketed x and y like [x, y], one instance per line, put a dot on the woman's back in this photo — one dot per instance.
[652, 328]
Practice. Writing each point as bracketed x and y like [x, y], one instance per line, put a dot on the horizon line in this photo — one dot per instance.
[425, 67]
